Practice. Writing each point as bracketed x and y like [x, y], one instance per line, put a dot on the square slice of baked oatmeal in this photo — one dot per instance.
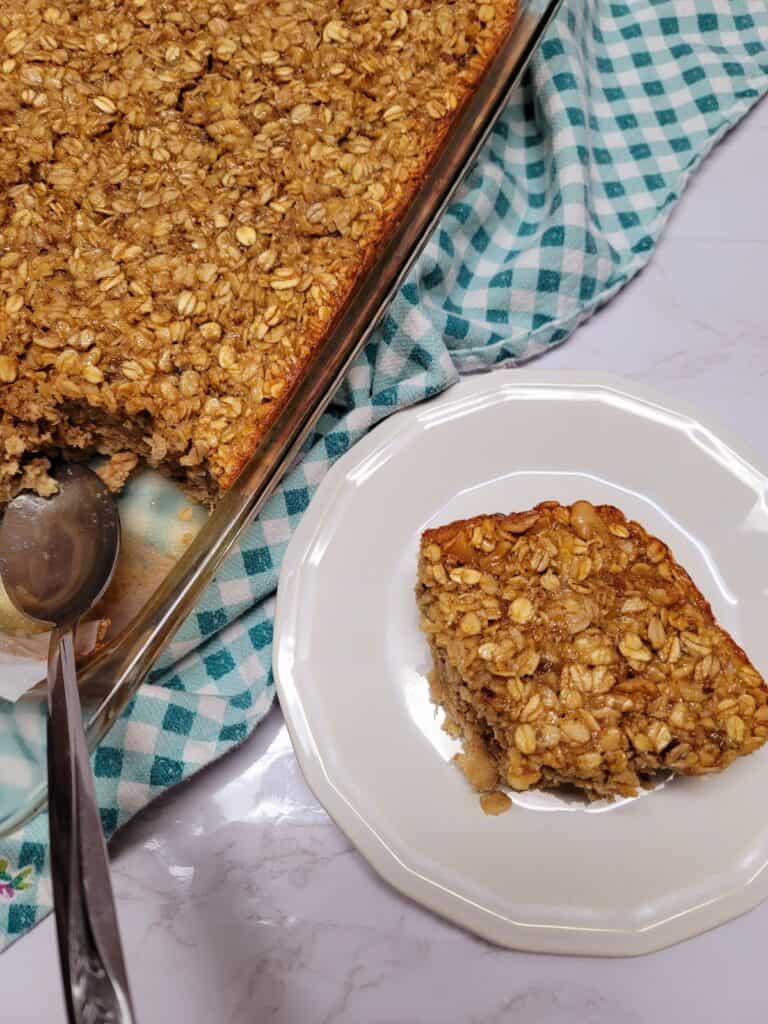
[570, 647]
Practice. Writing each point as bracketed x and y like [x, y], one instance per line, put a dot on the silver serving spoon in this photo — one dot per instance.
[57, 556]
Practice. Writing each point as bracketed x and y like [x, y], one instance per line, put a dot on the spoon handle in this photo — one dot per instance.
[92, 965]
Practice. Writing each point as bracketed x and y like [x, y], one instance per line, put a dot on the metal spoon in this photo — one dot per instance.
[57, 556]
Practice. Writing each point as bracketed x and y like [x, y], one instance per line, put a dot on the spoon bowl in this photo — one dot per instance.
[58, 554]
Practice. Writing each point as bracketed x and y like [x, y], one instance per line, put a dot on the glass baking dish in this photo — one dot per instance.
[109, 678]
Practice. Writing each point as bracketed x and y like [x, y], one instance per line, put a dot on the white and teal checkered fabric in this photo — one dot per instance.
[565, 205]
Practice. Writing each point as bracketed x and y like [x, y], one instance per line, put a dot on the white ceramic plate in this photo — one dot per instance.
[351, 664]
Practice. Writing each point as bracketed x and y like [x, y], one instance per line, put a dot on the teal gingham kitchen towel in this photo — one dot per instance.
[565, 205]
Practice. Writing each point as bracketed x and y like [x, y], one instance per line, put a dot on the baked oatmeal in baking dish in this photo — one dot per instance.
[570, 647]
[188, 194]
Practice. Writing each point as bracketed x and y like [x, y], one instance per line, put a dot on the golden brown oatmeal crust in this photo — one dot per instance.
[188, 193]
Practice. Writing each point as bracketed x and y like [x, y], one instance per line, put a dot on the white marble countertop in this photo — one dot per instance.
[241, 901]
